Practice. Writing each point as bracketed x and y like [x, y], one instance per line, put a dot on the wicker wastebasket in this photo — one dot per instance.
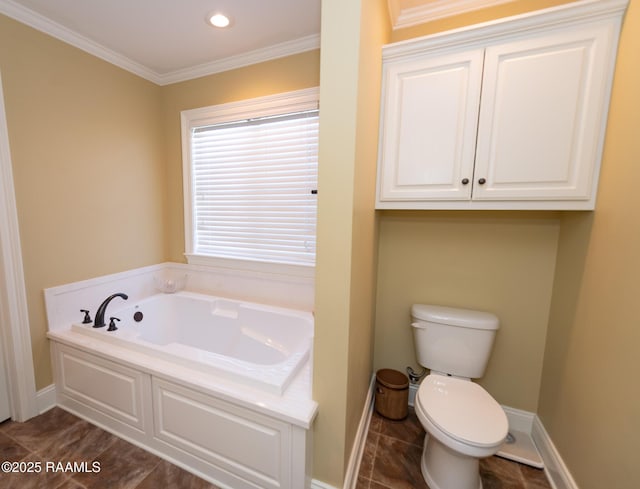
[392, 394]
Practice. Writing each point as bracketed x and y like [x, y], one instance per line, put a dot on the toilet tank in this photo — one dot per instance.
[453, 341]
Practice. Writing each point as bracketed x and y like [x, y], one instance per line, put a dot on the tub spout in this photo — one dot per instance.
[99, 320]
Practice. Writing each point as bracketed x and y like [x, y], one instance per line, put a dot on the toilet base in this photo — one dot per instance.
[442, 468]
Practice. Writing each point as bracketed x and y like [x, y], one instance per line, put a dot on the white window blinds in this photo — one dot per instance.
[254, 188]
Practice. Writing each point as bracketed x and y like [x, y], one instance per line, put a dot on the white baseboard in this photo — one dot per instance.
[521, 448]
[351, 476]
[46, 398]
[316, 484]
[555, 468]
[519, 420]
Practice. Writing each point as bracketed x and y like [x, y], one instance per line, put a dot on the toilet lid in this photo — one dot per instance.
[463, 410]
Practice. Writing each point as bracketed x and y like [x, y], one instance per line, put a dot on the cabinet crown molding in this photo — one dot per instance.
[567, 14]
[407, 13]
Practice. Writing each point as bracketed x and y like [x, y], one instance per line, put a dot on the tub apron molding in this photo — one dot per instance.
[212, 428]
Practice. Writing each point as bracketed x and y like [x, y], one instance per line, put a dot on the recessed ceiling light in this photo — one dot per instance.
[218, 20]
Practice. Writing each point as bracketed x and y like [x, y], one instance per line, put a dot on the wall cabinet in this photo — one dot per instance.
[507, 115]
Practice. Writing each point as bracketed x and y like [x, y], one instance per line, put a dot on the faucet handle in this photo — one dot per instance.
[87, 318]
[112, 324]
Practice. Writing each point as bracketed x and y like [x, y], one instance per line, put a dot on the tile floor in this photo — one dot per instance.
[57, 436]
[392, 454]
[391, 458]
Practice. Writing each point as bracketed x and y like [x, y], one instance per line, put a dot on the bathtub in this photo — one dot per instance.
[219, 387]
[253, 344]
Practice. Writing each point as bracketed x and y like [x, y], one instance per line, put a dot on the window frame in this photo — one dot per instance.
[282, 103]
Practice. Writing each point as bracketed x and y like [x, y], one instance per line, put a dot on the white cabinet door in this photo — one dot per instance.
[541, 117]
[429, 123]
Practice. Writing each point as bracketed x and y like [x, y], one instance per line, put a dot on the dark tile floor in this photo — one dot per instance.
[391, 459]
[57, 436]
[392, 454]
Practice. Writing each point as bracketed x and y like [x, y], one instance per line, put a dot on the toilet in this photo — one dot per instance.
[463, 423]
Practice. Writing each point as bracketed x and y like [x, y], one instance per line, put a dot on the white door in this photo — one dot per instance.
[539, 126]
[5, 409]
[430, 116]
[13, 302]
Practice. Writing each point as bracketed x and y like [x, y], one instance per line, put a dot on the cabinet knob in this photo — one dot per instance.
[465, 181]
[482, 181]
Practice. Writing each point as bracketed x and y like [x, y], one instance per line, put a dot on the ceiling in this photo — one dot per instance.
[169, 40]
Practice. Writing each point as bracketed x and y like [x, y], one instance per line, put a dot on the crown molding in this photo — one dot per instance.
[43, 24]
[261, 55]
[47, 26]
[402, 17]
[565, 15]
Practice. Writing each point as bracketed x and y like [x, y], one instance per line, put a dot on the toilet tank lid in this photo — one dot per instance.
[454, 316]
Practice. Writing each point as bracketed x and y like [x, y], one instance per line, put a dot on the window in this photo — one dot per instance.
[250, 178]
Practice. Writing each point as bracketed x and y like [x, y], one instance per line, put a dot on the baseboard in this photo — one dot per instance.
[518, 419]
[520, 446]
[351, 476]
[316, 484]
[554, 467]
[46, 398]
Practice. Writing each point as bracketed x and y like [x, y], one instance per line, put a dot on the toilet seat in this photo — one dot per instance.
[462, 410]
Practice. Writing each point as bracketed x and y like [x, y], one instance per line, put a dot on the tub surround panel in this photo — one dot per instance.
[63, 303]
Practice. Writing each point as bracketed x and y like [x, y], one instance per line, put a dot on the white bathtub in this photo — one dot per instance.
[254, 344]
[220, 387]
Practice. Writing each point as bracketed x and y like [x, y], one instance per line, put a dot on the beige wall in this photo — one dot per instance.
[375, 31]
[88, 166]
[352, 34]
[502, 262]
[276, 76]
[590, 400]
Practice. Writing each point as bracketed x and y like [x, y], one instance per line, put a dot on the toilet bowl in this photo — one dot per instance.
[463, 424]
